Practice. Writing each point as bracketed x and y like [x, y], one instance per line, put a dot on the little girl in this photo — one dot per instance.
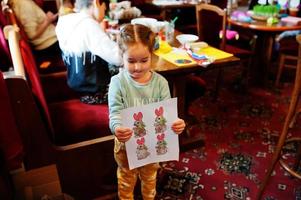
[136, 84]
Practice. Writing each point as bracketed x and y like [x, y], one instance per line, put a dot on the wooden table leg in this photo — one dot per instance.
[179, 90]
[262, 60]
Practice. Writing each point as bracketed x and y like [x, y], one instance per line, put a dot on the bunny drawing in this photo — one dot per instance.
[160, 121]
[139, 126]
[161, 147]
[141, 150]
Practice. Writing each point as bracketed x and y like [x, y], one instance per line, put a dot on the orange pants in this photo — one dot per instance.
[127, 178]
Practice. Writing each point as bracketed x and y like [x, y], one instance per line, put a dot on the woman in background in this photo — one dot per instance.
[38, 26]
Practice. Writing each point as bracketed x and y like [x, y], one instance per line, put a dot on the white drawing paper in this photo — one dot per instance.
[152, 140]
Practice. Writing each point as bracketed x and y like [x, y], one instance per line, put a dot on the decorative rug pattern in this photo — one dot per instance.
[240, 132]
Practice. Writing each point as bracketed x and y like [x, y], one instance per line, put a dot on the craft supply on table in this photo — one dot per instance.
[192, 55]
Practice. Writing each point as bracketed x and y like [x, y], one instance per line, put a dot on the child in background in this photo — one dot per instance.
[136, 84]
[87, 50]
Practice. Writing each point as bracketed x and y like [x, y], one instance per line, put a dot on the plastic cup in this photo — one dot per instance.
[169, 32]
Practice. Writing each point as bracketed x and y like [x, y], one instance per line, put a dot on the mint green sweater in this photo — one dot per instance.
[124, 92]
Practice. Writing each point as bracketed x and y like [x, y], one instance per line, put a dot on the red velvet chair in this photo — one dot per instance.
[6, 186]
[10, 141]
[3, 20]
[76, 133]
[5, 59]
[68, 121]
[86, 169]
[72, 125]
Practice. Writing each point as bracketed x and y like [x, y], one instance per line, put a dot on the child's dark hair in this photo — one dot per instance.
[133, 33]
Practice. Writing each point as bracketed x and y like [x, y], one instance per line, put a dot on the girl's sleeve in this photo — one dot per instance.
[115, 103]
[165, 92]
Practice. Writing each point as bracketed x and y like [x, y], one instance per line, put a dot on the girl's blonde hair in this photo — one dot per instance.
[135, 33]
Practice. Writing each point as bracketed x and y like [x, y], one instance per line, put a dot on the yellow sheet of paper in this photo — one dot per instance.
[175, 56]
[216, 54]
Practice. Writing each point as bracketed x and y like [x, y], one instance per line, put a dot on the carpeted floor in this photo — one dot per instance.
[240, 131]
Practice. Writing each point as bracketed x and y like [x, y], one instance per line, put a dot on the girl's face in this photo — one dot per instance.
[137, 61]
[99, 10]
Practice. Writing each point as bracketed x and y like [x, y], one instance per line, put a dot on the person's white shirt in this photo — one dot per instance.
[78, 33]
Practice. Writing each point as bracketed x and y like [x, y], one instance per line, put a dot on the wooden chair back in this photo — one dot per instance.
[208, 30]
[288, 56]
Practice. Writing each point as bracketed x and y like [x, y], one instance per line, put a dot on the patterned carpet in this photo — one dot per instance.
[240, 131]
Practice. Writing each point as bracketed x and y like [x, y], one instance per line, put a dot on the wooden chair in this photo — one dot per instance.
[220, 3]
[77, 135]
[288, 56]
[209, 30]
[220, 24]
[148, 10]
[283, 140]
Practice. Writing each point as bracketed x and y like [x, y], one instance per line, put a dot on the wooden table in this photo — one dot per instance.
[264, 44]
[177, 74]
[177, 78]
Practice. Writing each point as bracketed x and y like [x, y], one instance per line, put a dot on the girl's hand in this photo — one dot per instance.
[178, 126]
[123, 134]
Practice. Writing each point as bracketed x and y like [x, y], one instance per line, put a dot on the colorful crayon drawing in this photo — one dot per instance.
[142, 150]
[160, 121]
[152, 140]
[161, 147]
[139, 126]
